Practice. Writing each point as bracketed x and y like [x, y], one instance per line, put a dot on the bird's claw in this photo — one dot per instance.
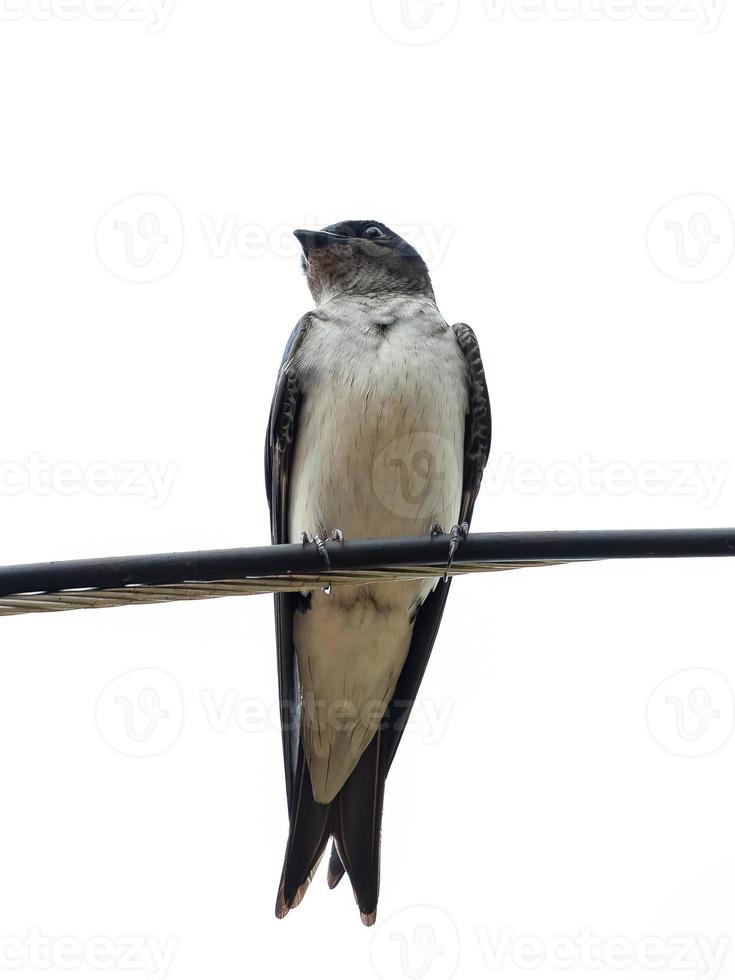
[307, 539]
[457, 536]
[321, 546]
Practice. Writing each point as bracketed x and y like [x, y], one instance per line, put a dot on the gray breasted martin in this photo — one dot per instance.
[379, 427]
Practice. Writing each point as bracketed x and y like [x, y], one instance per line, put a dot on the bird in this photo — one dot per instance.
[380, 426]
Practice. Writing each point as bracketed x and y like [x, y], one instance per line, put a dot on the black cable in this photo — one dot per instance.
[240, 563]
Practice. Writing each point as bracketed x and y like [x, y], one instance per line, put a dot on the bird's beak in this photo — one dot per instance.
[317, 239]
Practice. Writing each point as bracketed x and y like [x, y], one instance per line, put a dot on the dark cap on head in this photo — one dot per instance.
[361, 258]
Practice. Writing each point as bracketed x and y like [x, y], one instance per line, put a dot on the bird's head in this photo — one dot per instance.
[361, 258]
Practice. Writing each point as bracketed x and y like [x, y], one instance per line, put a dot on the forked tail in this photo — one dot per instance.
[352, 818]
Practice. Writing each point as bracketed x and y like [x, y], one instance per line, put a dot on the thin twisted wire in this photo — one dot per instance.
[18, 605]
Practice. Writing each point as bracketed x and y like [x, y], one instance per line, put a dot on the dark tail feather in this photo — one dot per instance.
[336, 870]
[307, 837]
[353, 818]
[356, 816]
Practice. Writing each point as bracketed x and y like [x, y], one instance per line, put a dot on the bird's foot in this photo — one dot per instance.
[307, 539]
[436, 529]
[321, 547]
[457, 536]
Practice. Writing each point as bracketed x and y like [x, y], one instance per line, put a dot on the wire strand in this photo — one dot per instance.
[16, 605]
[145, 579]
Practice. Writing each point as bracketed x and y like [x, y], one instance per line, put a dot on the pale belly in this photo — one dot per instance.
[378, 457]
[376, 466]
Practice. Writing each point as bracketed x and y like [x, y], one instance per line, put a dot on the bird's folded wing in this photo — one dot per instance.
[279, 442]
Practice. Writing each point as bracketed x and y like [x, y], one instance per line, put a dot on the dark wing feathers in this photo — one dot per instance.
[279, 444]
[280, 434]
[478, 429]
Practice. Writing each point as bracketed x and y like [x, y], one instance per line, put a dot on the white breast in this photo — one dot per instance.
[381, 432]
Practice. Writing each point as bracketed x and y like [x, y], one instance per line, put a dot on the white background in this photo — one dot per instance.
[529, 152]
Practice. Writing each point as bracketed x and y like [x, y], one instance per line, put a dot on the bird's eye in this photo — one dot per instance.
[373, 232]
